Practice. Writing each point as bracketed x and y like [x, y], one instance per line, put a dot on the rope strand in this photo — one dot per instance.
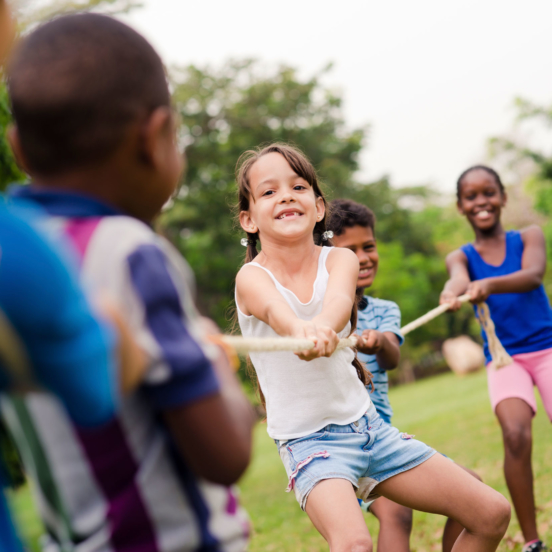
[245, 345]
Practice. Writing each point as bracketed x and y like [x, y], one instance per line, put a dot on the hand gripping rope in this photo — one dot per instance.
[245, 345]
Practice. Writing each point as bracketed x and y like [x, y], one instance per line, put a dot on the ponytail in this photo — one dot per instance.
[363, 375]
[251, 243]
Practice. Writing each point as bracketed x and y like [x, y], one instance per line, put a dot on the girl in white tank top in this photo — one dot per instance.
[330, 438]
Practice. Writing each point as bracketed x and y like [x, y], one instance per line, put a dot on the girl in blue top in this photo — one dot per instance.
[505, 269]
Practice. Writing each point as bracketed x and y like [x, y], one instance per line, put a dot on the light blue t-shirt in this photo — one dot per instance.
[383, 316]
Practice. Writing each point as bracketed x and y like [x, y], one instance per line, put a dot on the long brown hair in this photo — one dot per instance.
[303, 168]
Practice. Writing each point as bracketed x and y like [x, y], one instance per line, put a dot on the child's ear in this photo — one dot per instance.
[320, 209]
[504, 199]
[15, 145]
[157, 136]
[459, 207]
[247, 223]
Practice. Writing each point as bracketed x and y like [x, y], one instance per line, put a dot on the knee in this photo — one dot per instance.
[360, 545]
[495, 521]
[517, 440]
[402, 519]
[354, 544]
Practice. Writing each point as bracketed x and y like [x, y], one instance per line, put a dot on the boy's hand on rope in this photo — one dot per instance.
[370, 342]
[325, 339]
[226, 360]
[479, 290]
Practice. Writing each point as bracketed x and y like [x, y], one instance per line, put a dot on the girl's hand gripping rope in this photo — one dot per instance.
[450, 298]
[479, 290]
[325, 339]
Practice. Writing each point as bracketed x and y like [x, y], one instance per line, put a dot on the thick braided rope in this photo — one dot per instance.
[245, 345]
[500, 357]
[434, 313]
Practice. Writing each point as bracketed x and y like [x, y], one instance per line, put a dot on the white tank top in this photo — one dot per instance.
[303, 397]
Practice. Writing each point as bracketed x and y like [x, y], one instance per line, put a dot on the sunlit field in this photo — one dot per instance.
[451, 414]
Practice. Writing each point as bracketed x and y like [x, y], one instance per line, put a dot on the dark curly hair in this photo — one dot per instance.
[345, 213]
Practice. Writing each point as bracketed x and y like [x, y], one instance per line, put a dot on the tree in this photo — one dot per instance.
[225, 112]
[8, 168]
[513, 152]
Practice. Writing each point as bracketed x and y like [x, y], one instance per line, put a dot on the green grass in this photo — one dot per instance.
[451, 414]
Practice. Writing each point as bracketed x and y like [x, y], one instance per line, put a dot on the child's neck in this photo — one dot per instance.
[496, 233]
[288, 258]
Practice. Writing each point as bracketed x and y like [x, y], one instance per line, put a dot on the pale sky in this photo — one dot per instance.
[433, 78]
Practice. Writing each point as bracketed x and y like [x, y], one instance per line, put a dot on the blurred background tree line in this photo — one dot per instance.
[226, 110]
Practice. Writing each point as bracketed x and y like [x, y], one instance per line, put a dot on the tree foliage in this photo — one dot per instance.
[225, 112]
[538, 184]
[9, 171]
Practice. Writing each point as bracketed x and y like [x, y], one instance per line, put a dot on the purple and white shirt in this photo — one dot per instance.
[123, 487]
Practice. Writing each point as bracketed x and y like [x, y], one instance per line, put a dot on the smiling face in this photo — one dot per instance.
[361, 241]
[481, 200]
[282, 205]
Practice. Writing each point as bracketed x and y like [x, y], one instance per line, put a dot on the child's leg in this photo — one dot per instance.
[539, 365]
[441, 487]
[452, 527]
[515, 417]
[513, 401]
[395, 525]
[333, 508]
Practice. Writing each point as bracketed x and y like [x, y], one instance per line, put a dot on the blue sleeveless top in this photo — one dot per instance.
[523, 321]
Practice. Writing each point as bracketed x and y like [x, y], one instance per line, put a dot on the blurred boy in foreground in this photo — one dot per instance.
[44, 316]
[95, 131]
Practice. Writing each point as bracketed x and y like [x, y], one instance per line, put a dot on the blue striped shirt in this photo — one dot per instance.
[383, 316]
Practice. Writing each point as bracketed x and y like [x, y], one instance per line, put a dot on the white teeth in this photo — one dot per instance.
[482, 214]
[284, 215]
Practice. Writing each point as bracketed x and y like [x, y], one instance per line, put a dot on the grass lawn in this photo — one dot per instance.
[449, 413]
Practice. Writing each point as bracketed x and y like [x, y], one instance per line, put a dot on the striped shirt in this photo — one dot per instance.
[383, 316]
[124, 487]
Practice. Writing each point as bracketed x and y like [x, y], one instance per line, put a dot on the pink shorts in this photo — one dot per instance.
[518, 380]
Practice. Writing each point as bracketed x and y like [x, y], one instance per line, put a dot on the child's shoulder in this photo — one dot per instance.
[532, 232]
[126, 228]
[125, 234]
[379, 314]
[122, 239]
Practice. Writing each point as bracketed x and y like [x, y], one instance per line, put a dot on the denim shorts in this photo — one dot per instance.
[365, 453]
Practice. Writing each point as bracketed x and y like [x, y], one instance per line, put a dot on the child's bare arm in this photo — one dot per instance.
[342, 265]
[533, 267]
[257, 295]
[385, 345]
[457, 284]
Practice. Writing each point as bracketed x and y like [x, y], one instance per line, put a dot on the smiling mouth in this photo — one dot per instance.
[365, 272]
[482, 215]
[289, 214]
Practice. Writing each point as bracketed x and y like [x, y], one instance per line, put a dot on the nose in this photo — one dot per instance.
[480, 199]
[362, 256]
[287, 197]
